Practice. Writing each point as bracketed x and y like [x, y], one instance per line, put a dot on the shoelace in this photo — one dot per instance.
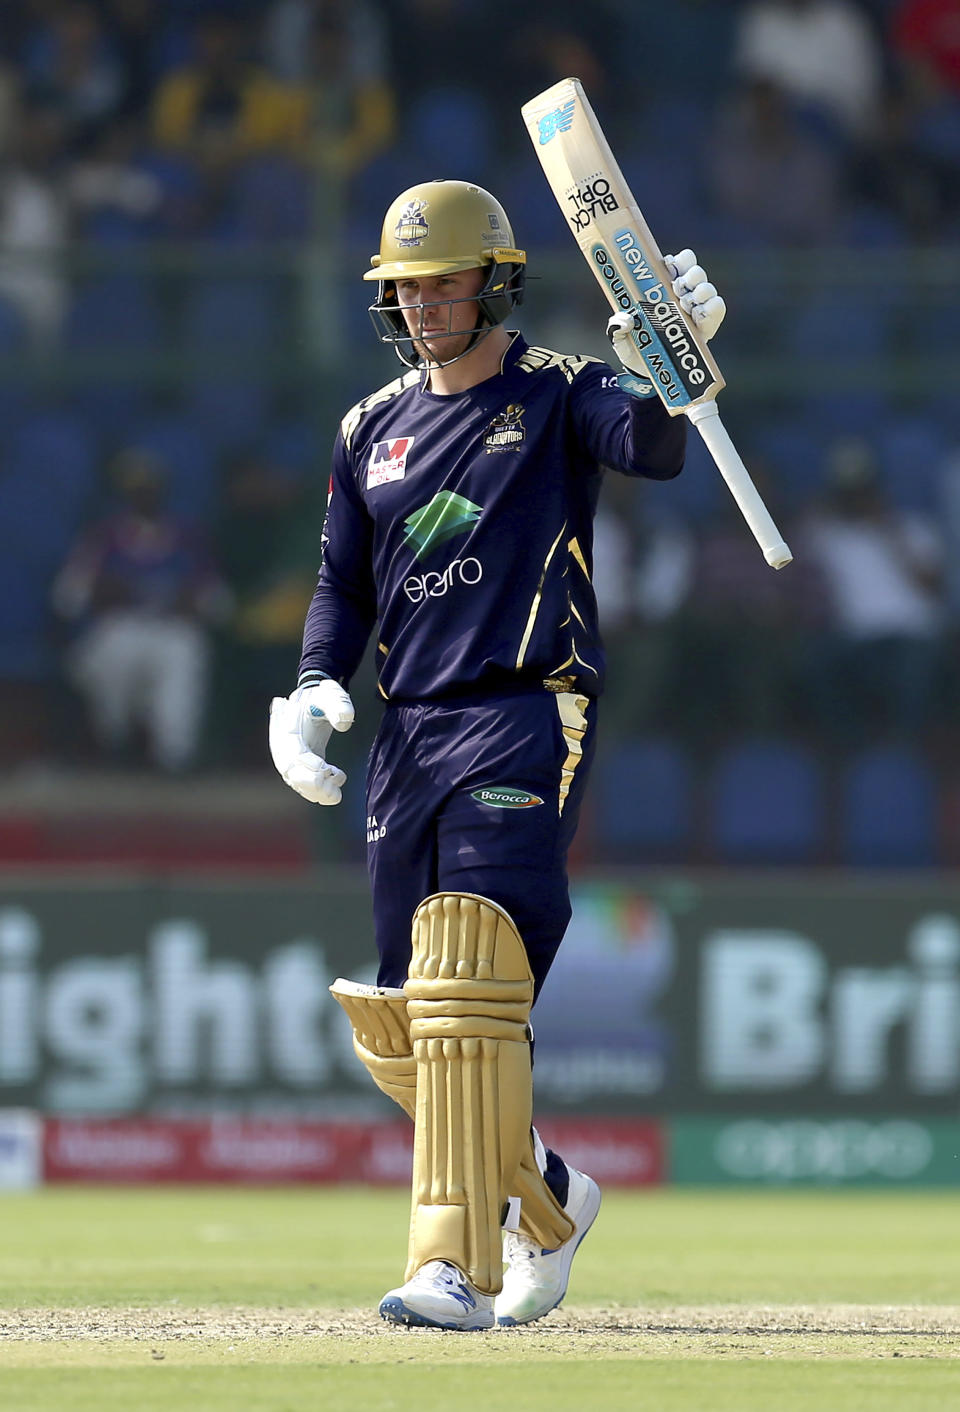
[520, 1252]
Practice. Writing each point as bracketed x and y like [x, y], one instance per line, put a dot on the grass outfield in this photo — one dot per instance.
[219, 1299]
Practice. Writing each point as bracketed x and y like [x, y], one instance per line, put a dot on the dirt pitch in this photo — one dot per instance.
[735, 1331]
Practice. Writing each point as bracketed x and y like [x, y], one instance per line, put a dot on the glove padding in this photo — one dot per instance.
[695, 294]
[300, 729]
[696, 297]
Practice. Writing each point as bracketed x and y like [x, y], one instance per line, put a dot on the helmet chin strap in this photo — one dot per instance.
[477, 336]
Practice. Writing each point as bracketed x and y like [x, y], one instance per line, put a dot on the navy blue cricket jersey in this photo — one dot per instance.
[462, 524]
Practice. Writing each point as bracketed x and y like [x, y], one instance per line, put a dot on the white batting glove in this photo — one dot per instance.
[300, 729]
[621, 330]
[695, 294]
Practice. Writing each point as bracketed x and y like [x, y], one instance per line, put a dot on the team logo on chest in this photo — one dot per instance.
[388, 460]
[506, 430]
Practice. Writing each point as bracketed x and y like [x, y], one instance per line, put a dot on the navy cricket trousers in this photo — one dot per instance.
[479, 794]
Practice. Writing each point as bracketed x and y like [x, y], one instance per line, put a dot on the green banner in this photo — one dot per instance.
[803, 1151]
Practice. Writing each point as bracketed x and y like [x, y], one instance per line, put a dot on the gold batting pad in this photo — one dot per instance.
[381, 1040]
[469, 993]
[381, 1037]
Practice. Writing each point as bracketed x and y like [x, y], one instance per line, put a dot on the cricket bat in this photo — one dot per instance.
[617, 244]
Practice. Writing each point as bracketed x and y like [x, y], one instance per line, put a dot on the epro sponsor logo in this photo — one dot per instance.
[388, 460]
[459, 572]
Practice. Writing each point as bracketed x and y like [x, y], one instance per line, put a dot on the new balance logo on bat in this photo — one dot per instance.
[560, 120]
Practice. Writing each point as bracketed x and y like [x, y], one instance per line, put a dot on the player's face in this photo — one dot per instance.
[441, 312]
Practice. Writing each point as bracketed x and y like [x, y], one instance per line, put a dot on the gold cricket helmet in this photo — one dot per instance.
[437, 228]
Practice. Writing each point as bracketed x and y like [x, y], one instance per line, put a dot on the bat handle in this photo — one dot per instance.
[706, 419]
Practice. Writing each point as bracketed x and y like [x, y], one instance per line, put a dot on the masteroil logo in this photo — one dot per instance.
[445, 516]
[505, 797]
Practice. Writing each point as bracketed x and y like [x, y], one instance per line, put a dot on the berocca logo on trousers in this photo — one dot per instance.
[506, 797]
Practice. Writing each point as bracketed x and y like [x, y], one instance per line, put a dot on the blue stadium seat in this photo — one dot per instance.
[767, 803]
[794, 450]
[116, 313]
[231, 415]
[55, 455]
[888, 814]
[698, 493]
[450, 129]
[293, 446]
[191, 465]
[274, 201]
[643, 801]
[911, 450]
[236, 316]
[24, 589]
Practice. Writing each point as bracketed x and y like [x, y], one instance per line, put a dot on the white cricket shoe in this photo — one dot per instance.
[438, 1297]
[535, 1281]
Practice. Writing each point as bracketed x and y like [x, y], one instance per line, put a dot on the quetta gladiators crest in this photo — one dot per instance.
[412, 227]
[506, 429]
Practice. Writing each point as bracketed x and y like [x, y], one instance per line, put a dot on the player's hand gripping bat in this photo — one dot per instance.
[617, 244]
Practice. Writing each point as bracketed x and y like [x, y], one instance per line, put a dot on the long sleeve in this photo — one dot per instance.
[344, 605]
[632, 434]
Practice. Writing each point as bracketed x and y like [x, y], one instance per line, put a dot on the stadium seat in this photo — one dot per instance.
[450, 128]
[766, 803]
[911, 451]
[888, 813]
[231, 415]
[115, 313]
[274, 201]
[191, 465]
[293, 447]
[50, 474]
[232, 316]
[643, 802]
[794, 451]
[24, 589]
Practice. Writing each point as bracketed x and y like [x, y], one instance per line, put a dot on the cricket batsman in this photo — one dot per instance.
[459, 524]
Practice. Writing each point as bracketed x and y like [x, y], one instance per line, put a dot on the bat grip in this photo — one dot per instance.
[706, 419]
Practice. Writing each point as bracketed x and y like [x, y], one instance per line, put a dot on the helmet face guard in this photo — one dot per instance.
[501, 291]
[439, 228]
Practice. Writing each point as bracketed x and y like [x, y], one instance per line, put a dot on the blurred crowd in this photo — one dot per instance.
[181, 179]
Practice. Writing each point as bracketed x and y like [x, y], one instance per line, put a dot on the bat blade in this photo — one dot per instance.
[619, 247]
[618, 244]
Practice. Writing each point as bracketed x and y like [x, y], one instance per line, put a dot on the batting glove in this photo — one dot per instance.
[300, 729]
[695, 294]
[621, 329]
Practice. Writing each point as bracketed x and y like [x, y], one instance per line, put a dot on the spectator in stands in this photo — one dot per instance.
[267, 547]
[343, 107]
[109, 189]
[925, 35]
[34, 223]
[823, 53]
[896, 170]
[643, 559]
[223, 107]
[144, 593]
[72, 69]
[743, 631]
[767, 173]
[879, 662]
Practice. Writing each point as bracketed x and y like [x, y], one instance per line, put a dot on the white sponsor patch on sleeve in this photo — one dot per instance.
[388, 460]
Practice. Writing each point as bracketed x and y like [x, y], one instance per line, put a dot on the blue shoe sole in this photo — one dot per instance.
[394, 1311]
